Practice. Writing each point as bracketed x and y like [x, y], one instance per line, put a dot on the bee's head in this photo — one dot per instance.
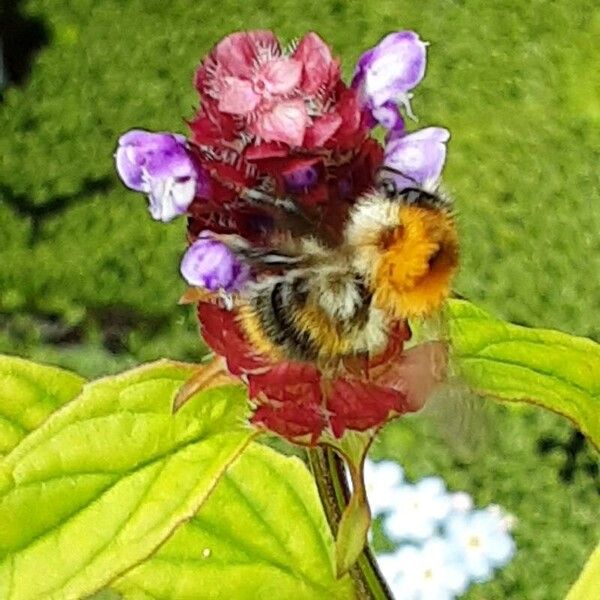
[407, 245]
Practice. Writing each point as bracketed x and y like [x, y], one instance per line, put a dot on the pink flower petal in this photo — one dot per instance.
[281, 76]
[237, 96]
[237, 52]
[286, 122]
[319, 67]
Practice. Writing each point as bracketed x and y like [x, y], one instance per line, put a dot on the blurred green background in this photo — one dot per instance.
[89, 281]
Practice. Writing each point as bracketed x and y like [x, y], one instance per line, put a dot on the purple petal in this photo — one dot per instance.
[390, 69]
[141, 137]
[210, 264]
[159, 153]
[169, 198]
[361, 68]
[128, 169]
[160, 165]
[429, 134]
[388, 116]
[419, 157]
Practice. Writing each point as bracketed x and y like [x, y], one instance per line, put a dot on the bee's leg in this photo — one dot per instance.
[286, 212]
[264, 199]
[212, 374]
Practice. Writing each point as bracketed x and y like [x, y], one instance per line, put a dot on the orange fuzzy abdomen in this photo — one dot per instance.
[417, 262]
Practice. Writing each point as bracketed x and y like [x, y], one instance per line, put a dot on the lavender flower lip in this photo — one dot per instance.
[160, 165]
[393, 67]
[209, 264]
[418, 156]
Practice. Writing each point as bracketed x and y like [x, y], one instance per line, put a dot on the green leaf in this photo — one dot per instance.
[104, 481]
[588, 583]
[554, 370]
[261, 534]
[29, 394]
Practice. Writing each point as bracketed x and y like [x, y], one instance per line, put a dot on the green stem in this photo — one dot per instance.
[328, 471]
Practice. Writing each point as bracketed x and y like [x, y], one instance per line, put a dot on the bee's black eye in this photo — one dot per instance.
[412, 196]
[388, 188]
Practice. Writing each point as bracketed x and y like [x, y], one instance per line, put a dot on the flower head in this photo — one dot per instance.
[249, 76]
[278, 123]
[160, 165]
[418, 158]
[208, 263]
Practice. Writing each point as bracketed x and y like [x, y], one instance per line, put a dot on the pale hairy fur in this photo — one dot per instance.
[373, 337]
[339, 296]
[369, 218]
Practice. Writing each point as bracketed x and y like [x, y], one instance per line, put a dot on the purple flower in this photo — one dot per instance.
[210, 264]
[159, 165]
[418, 157]
[387, 72]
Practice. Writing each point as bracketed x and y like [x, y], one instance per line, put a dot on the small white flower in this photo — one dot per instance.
[482, 540]
[418, 510]
[382, 480]
[430, 572]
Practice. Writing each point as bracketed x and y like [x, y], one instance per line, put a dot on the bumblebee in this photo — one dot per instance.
[319, 303]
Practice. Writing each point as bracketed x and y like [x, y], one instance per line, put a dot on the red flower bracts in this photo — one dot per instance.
[302, 404]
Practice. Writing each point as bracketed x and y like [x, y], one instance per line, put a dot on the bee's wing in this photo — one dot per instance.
[461, 417]
[289, 216]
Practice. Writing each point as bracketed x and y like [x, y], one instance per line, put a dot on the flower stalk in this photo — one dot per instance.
[329, 473]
